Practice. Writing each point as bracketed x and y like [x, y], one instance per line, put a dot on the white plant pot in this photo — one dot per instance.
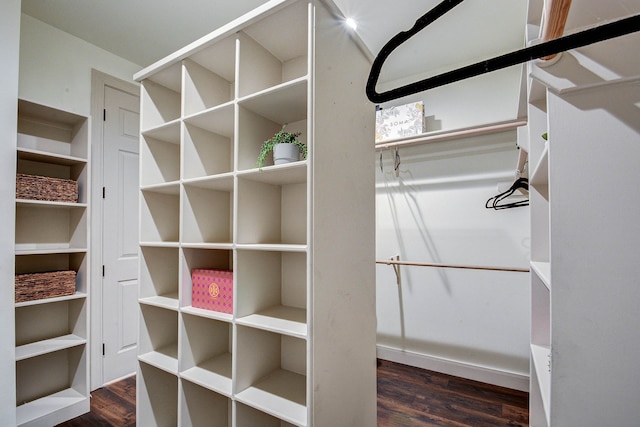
[285, 153]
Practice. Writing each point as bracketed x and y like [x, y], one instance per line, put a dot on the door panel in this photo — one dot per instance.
[120, 233]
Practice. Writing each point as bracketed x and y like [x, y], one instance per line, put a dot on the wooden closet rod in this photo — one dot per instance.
[453, 134]
[555, 18]
[439, 265]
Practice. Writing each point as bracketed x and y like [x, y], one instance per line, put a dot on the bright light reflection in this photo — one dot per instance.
[352, 23]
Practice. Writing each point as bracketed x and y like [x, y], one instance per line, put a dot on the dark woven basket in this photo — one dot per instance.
[33, 286]
[33, 187]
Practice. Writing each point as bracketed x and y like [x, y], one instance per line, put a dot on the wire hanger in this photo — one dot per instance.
[495, 202]
[592, 35]
[396, 162]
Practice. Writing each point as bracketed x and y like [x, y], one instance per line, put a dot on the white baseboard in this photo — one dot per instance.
[451, 367]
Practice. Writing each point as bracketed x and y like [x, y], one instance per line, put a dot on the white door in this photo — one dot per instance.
[120, 233]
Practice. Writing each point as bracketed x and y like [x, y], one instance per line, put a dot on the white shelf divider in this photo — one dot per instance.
[48, 346]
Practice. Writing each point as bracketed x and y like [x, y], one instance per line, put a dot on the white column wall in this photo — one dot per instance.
[9, 50]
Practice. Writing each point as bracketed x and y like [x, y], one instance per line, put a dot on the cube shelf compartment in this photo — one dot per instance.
[273, 379]
[196, 258]
[158, 340]
[160, 214]
[65, 226]
[208, 211]
[272, 211]
[271, 291]
[208, 144]
[255, 128]
[161, 97]
[248, 416]
[210, 77]
[204, 204]
[50, 327]
[53, 133]
[160, 155]
[267, 56]
[157, 395]
[203, 407]
[50, 383]
[208, 361]
[159, 277]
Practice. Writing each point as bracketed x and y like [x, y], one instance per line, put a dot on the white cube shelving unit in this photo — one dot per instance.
[299, 348]
[584, 233]
[52, 334]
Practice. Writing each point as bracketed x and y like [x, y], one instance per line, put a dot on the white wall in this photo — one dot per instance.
[55, 67]
[466, 322]
[9, 34]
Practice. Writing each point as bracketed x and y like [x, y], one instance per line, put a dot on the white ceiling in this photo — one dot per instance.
[144, 31]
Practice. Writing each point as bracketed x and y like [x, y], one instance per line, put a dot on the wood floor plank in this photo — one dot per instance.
[407, 397]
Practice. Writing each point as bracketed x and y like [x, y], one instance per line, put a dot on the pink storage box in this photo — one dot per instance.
[212, 290]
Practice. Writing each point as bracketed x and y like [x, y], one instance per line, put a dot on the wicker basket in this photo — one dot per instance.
[32, 187]
[51, 284]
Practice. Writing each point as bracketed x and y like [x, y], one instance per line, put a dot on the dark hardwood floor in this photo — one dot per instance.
[407, 397]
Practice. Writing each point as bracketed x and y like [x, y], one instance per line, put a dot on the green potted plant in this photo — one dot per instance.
[285, 146]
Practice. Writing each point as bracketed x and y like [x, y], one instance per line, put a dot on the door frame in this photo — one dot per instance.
[99, 81]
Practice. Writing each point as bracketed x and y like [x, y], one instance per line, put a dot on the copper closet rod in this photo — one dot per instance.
[440, 265]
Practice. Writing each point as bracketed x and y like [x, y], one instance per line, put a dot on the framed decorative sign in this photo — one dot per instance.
[400, 122]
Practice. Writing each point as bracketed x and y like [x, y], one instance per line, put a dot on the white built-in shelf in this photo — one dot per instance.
[541, 362]
[214, 374]
[76, 296]
[165, 358]
[37, 411]
[206, 110]
[543, 270]
[52, 372]
[47, 157]
[290, 173]
[269, 247]
[280, 319]
[23, 251]
[49, 204]
[281, 394]
[210, 314]
[220, 182]
[48, 346]
[291, 97]
[540, 177]
[167, 132]
[169, 302]
[217, 120]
